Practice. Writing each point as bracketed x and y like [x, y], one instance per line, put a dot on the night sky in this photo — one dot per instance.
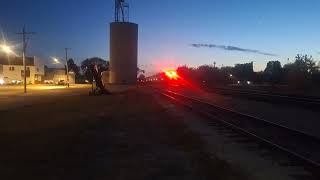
[238, 29]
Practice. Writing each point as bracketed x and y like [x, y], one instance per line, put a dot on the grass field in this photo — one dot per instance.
[123, 136]
[36, 89]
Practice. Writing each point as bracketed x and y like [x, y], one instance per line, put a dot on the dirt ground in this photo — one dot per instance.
[122, 136]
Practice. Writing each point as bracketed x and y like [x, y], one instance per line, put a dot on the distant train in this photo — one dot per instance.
[170, 77]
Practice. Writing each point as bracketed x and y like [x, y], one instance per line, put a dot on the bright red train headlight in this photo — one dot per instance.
[171, 74]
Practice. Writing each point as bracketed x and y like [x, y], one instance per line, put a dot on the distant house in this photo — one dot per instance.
[56, 75]
[12, 70]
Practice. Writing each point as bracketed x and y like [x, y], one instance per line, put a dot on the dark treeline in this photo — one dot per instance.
[302, 73]
[83, 72]
[86, 66]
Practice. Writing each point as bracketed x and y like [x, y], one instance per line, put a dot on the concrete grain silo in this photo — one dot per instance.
[123, 48]
[123, 53]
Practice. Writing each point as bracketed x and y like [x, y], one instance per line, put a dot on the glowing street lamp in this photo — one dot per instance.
[7, 49]
[57, 61]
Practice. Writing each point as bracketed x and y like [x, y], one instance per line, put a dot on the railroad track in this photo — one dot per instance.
[310, 102]
[301, 148]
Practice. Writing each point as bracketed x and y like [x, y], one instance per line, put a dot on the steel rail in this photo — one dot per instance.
[310, 162]
[309, 100]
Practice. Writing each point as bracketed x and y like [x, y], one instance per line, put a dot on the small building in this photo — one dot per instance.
[12, 70]
[56, 75]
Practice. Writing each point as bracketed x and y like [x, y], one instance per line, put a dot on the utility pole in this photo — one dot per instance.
[25, 34]
[66, 50]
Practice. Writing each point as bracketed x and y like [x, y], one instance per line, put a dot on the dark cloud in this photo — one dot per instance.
[232, 48]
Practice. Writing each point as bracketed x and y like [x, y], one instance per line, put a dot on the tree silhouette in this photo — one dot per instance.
[87, 64]
[299, 73]
[273, 72]
[304, 71]
[244, 71]
[142, 77]
[73, 67]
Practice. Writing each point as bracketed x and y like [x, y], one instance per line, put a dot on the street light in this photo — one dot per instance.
[57, 61]
[7, 49]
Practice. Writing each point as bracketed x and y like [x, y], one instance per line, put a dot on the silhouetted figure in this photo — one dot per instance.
[100, 89]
